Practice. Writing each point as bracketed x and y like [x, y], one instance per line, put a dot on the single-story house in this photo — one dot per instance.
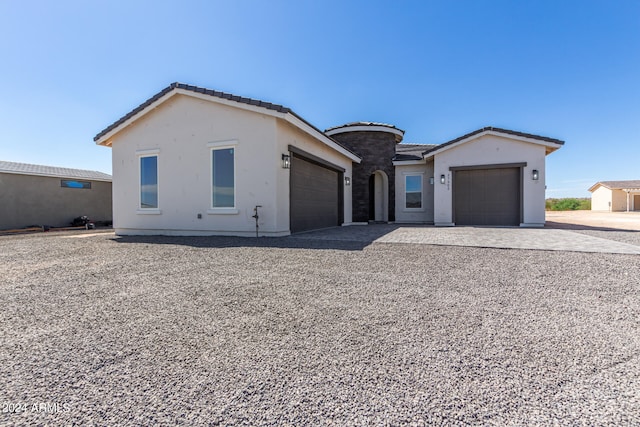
[195, 161]
[51, 196]
[615, 196]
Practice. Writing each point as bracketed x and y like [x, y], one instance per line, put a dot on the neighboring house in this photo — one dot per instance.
[52, 196]
[615, 196]
[193, 161]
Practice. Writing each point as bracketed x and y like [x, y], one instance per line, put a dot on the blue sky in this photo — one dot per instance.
[437, 69]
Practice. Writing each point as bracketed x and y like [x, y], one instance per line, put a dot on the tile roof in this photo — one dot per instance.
[196, 89]
[499, 130]
[54, 171]
[217, 94]
[618, 185]
[411, 151]
[364, 124]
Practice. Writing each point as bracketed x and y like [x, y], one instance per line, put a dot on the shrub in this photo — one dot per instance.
[568, 204]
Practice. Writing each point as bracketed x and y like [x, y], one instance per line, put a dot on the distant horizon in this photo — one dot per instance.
[436, 69]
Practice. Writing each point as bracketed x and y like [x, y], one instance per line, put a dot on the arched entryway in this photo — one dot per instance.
[379, 197]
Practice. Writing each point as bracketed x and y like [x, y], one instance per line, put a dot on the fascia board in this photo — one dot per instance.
[229, 102]
[104, 140]
[408, 162]
[525, 139]
[295, 121]
[595, 186]
[366, 128]
[494, 133]
[300, 124]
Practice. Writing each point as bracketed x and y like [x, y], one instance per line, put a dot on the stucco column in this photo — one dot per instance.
[628, 192]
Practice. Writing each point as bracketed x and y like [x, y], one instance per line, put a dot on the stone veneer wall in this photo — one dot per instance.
[377, 149]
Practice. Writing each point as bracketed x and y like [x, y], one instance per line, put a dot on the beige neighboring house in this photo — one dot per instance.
[615, 196]
[196, 161]
[51, 196]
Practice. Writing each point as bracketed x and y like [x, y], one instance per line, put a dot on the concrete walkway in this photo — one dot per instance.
[484, 237]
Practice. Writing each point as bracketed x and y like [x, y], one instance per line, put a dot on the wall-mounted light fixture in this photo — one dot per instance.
[431, 180]
[535, 175]
[347, 180]
[286, 161]
[442, 179]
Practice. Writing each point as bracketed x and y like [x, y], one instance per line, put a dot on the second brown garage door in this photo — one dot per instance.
[487, 196]
[315, 195]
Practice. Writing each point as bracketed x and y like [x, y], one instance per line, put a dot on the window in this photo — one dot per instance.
[70, 183]
[223, 178]
[149, 182]
[413, 192]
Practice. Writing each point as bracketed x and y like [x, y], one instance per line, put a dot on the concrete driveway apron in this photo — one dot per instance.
[509, 238]
[484, 237]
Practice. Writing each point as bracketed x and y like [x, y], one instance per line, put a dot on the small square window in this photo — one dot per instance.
[71, 183]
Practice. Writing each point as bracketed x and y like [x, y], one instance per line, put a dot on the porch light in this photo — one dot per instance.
[347, 180]
[431, 180]
[535, 174]
[286, 161]
[442, 179]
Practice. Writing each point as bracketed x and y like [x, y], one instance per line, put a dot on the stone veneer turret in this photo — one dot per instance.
[376, 144]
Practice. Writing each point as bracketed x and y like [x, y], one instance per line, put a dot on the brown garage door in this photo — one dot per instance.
[487, 196]
[315, 198]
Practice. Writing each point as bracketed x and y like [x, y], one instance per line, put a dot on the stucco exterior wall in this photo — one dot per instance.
[288, 134]
[424, 215]
[489, 150]
[601, 199]
[181, 129]
[39, 200]
[619, 200]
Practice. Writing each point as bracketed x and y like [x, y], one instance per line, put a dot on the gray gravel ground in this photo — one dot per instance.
[230, 331]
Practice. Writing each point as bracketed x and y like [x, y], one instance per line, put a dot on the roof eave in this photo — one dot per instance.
[595, 186]
[105, 139]
[303, 125]
[373, 127]
[175, 89]
[408, 162]
[61, 176]
[550, 146]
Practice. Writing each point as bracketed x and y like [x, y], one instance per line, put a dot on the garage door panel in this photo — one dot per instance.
[314, 196]
[487, 196]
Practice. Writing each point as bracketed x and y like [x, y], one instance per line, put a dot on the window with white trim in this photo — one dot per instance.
[223, 186]
[149, 182]
[413, 192]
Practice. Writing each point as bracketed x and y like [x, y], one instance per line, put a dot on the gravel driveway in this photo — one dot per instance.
[291, 331]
